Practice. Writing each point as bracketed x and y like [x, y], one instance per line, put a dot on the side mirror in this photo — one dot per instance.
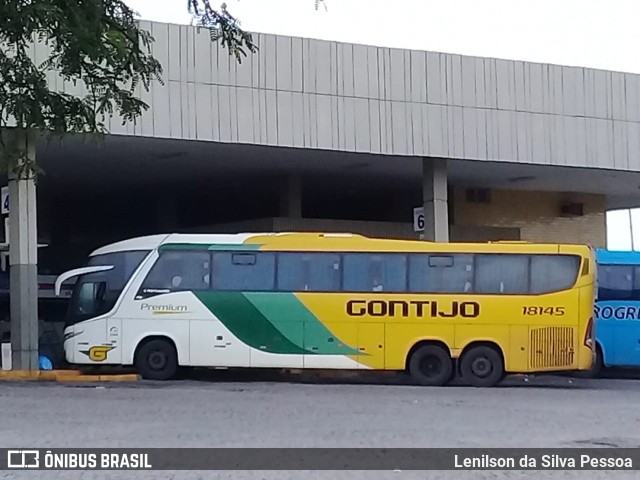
[74, 273]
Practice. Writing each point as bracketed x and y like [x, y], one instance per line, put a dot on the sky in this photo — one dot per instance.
[601, 34]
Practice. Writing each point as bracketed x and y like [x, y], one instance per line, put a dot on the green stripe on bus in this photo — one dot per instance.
[296, 322]
[246, 322]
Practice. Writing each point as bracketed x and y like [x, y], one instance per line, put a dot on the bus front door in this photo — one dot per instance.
[114, 334]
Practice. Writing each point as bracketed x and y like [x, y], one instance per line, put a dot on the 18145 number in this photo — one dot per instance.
[557, 311]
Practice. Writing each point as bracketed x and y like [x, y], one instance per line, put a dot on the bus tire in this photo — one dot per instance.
[598, 363]
[482, 366]
[598, 366]
[431, 366]
[157, 360]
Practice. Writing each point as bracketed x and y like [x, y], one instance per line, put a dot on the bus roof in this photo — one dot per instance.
[151, 242]
[617, 257]
[330, 241]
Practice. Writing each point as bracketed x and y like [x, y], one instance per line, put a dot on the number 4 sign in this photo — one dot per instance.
[5, 200]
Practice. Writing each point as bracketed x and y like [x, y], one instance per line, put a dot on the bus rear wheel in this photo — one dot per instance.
[597, 368]
[157, 360]
[598, 363]
[482, 366]
[431, 366]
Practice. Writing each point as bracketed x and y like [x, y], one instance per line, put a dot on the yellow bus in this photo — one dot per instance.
[334, 301]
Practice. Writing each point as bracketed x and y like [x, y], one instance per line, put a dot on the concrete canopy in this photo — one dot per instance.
[120, 162]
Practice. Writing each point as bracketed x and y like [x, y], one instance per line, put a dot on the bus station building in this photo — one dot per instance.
[309, 135]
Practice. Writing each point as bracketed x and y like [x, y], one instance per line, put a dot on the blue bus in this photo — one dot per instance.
[617, 310]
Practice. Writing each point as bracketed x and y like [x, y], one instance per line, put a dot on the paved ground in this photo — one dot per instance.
[265, 411]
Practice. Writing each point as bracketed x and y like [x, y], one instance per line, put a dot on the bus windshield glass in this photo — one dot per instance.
[96, 293]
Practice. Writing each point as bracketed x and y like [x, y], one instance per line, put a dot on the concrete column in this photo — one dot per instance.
[23, 255]
[434, 194]
[291, 197]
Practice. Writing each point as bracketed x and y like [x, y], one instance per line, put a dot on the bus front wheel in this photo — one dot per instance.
[482, 366]
[157, 360]
[431, 365]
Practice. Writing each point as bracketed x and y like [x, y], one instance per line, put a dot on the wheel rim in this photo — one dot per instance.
[431, 366]
[481, 367]
[157, 360]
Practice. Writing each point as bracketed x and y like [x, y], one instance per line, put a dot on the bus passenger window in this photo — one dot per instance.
[552, 273]
[615, 282]
[446, 273]
[308, 272]
[246, 272]
[502, 273]
[365, 272]
[178, 270]
[635, 294]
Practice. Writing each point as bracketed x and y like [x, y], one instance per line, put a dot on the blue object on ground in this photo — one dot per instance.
[45, 363]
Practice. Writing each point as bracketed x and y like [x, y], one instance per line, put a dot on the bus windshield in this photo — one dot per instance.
[96, 293]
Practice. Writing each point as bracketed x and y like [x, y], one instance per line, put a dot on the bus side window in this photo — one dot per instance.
[91, 298]
[234, 271]
[502, 273]
[366, 272]
[635, 294]
[615, 282]
[440, 273]
[552, 273]
[308, 272]
[450, 273]
[418, 265]
[179, 270]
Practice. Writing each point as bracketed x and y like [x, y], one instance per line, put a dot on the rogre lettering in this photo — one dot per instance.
[624, 312]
